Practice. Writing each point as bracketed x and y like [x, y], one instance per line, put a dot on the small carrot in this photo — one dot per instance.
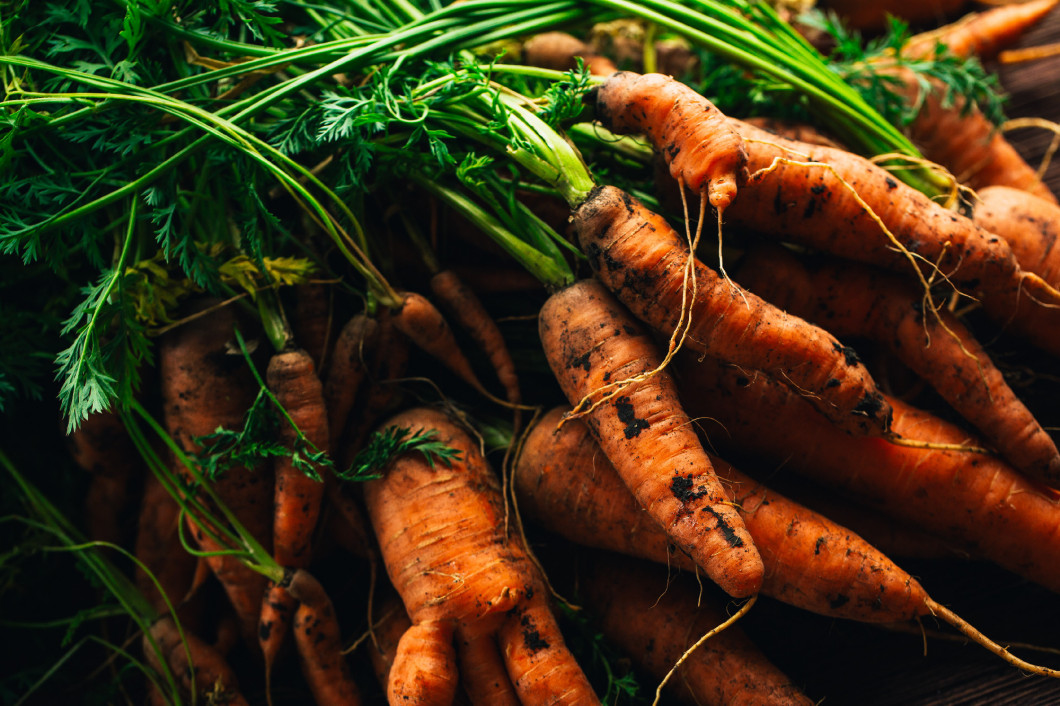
[349, 366]
[642, 259]
[467, 310]
[159, 552]
[862, 302]
[872, 16]
[425, 326]
[703, 151]
[389, 623]
[982, 34]
[441, 534]
[590, 339]
[319, 643]
[654, 618]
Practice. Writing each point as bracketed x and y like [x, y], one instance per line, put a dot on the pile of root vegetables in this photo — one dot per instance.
[408, 359]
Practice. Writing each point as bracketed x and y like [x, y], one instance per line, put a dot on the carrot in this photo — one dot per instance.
[810, 561]
[641, 259]
[559, 51]
[565, 481]
[704, 153]
[349, 366]
[204, 388]
[871, 16]
[468, 311]
[815, 205]
[654, 619]
[319, 643]
[975, 500]
[424, 669]
[159, 552]
[311, 321]
[963, 140]
[590, 339]
[207, 674]
[861, 302]
[441, 534]
[102, 447]
[983, 34]
[292, 379]
[1031, 227]
[425, 326]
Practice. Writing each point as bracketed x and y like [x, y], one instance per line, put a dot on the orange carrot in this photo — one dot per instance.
[319, 642]
[704, 153]
[441, 534]
[655, 618]
[467, 310]
[102, 447]
[566, 482]
[425, 326]
[349, 366]
[975, 500]
[860, 302]
[982, 34]
[808, 204]
[159, 551]
[642, 260]
[204, 388]
[215, 681]
[1031, 227]
[559, 51]
[389, 623]
[589, 340]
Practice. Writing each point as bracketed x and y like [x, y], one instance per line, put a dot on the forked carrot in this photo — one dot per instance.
[441, 534]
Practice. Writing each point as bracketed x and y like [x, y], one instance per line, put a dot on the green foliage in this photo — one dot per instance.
[386, 444]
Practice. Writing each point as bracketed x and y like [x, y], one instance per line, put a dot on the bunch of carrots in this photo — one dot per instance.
[554, 384]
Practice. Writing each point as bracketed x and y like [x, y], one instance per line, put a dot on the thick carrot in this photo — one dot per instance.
[655, 618]
[424, 669]
[642, 260]
[565, 482]
[319, 643]
[102, 447]
[1031, 226]
[859, 302]
[982, 34]
[559, 51]
[215, 682]
[441, 534]
[815, 205]
[349, 366]
[468, 311]
[590, 339]
[703, 151]
[975, 500]
[203, 388]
